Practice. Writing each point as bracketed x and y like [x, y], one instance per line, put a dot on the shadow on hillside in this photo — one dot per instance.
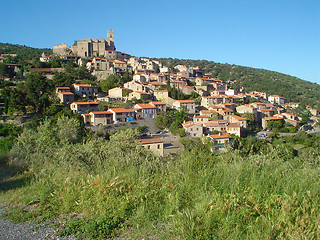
[10, 177]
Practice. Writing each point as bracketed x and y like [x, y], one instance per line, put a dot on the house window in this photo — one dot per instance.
[158, 146]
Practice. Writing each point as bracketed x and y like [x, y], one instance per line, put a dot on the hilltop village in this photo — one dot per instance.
[181, 99]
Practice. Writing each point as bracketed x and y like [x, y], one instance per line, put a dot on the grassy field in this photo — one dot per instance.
[262, 190]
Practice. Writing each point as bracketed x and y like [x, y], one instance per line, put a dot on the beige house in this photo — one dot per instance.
[118, 92]
[161, 106]
[66, 97]
[248, 109]
[276, 99]
[208, 101]
[189, 105]
[63, 89]
[200, 119]
[262, 113]
[136, 86]
[84, 90]
[291, 119]
[161, 95]
[154, 144]
[192, 129]
[240, 120]
[140, 95]
[146, 110]
[97, 118]
[231, 128]
[219, 139]
[82, 107]
[121, 114]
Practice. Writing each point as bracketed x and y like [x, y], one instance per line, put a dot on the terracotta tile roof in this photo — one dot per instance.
[266, 110]
[217, 136]
[66, 93]
[65, 88]
[120, 110]
[158, 103]
[101, 112]
[238, 117]
[83, 85]
[86, 103]
[145, 105]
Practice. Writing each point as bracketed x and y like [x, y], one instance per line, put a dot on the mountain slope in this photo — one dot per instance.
[292, 88]
[22, 51]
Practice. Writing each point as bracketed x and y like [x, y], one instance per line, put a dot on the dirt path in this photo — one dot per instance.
[28, 230]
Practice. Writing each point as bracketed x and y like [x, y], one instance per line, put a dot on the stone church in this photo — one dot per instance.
[88, 47]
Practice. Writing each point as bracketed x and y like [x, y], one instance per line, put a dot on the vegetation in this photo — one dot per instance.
[259, 189]
[23, 52]
[252, 79]
[114, 81]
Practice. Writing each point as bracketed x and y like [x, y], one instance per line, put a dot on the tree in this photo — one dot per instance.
[37, 87]
[162, 121]
[111, 82]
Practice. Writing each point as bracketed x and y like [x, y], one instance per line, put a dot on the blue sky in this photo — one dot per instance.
[282, 35]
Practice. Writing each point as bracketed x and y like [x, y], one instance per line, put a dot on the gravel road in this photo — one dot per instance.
[28, 230]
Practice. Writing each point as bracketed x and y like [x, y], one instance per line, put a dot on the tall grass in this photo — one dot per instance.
[115, 187]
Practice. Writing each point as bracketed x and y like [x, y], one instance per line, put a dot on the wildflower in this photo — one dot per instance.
[171, 186]
[94, 184]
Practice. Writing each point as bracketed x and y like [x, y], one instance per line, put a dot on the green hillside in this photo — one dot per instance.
[22, 51]
[292, 88]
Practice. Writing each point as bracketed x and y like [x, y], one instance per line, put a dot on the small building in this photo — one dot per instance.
[82, 107]
[193, 129]
[66, 97]
[118, 92]
[63, 89]
[248, 109]
[200, 119]
[121, 114]
[161, 95]
[147, 110]
[276, 99]
[154, 144]
[139, 96]
[188, 105]
[97, 118]
[161, 106]
[84, 90]
[243, 122]
[219, 139]
[222, 126]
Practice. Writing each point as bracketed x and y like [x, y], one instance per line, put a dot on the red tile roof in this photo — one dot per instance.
[101, 112]
[66, 93]
[86, 103]
[158, 103]
[217, 136]
[145, 105]
[120, 110]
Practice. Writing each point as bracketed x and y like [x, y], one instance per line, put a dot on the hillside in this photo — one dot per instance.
[292, 88]
[22, 51]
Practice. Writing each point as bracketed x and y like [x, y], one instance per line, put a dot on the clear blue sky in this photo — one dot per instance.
[279, 35]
